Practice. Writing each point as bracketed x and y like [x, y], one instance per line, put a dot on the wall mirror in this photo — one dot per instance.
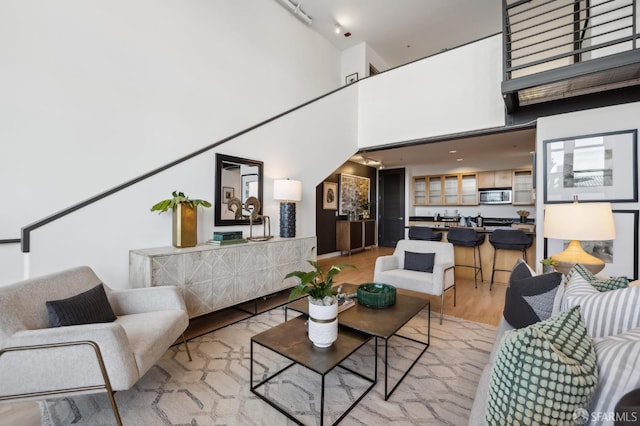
[239, 178]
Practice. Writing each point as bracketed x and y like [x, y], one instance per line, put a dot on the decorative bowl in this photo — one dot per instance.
[376, 295]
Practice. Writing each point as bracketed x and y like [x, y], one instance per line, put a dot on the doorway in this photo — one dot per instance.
[391, 211]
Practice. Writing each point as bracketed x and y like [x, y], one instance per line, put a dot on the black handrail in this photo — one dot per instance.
[10, 241]
[26, 231]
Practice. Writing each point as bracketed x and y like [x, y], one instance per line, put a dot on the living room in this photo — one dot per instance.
[99, 95]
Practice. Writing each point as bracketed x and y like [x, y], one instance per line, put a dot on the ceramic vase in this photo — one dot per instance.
[323, 324]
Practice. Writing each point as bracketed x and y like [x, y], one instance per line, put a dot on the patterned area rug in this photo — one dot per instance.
[214, 388]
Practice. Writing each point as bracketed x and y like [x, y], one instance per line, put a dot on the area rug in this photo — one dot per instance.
[214, 388]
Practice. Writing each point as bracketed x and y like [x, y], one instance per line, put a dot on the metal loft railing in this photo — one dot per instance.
[559, 48]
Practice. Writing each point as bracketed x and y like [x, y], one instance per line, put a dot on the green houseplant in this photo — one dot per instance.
[323, 305]
[185, 217]
[548, 264]
[316, 283]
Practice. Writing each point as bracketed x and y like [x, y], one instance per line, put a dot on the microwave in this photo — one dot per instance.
[495, 196]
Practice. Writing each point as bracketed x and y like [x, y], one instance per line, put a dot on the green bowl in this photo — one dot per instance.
[375, 295]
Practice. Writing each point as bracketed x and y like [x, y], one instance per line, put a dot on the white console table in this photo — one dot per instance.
[215, 277]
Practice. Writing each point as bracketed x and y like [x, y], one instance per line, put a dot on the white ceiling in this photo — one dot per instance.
[402, 31]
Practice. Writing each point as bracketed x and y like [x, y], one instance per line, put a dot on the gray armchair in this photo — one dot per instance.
[37, 361]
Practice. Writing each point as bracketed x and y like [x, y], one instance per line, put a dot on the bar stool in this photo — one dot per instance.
[465, 237]
[424, 233]
[508, 239]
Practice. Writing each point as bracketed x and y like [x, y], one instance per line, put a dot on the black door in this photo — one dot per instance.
[391, 207]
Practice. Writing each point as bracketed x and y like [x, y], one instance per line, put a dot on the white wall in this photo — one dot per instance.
[94, 94]
[353, 60]
[454, 91]
[600, 120]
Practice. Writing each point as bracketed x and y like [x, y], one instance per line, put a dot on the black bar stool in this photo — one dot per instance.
[508, 239]
[465, 237]
[424, 233]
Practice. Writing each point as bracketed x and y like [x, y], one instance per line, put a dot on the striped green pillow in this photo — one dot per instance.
[543, 373]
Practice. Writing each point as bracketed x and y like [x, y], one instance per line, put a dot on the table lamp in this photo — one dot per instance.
[578, 221]
[288, 192]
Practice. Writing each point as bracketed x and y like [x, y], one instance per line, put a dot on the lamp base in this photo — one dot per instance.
[287, 220]
[574, 254]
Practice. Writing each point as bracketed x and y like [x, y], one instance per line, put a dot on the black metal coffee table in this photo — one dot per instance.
[290, 340]
[381, 323]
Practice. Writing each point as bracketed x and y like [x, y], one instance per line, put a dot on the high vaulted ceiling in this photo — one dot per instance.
[402, 31]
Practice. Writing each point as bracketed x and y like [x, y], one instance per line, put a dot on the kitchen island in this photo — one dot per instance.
[464, 255]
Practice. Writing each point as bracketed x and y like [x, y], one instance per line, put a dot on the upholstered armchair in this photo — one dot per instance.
[419, 265]
[38, 361]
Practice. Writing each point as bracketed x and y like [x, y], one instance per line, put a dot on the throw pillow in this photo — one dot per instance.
[606, 314]
[91, 306]
[609, 284]
[422, 262]
[521, 270]
[618, 360]
[543, 373]
[529, 300]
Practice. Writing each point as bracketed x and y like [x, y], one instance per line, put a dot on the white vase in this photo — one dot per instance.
[323, 324]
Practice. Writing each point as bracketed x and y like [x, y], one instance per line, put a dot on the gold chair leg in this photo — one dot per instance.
[186, 347]
[114, 407]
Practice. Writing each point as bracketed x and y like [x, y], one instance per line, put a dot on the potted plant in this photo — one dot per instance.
[185, 217]
[323, 304]
[548, 265]
[365, 205]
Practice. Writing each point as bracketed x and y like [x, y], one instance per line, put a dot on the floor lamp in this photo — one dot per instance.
[578, 222]
[288, 192]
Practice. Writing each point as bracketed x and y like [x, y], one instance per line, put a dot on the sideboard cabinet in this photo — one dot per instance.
[215, 277]
[355, 234]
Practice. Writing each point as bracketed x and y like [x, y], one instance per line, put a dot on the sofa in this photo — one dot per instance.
[113, 342]
[419, 265]
[611, 323]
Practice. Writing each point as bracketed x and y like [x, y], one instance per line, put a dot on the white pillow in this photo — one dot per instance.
[605, 313]
[618, 359]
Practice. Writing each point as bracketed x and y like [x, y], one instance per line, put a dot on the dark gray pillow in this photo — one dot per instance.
[92, 306]
[422, 262]
[530, 300]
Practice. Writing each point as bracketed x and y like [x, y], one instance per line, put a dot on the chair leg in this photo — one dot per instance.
[441, 306]
[493, 268]
[480, 262]
[475, 270]
[114, 407]
[454, 294]
[186, 347]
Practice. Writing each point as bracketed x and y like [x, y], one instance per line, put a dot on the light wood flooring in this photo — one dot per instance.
[474, 304]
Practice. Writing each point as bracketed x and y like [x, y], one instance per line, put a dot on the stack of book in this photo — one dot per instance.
[225, 238]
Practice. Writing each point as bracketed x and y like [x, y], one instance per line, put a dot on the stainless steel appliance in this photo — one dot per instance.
[495, 196]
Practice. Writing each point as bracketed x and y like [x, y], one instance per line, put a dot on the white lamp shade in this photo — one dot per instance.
[287, 190]
[579, 221]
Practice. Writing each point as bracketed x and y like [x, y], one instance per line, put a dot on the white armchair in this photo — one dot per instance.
[391, 269]
[37, 361]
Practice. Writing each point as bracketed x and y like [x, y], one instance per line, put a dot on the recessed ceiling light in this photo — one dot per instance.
[458, 159]
[337, 28]
[453, 151]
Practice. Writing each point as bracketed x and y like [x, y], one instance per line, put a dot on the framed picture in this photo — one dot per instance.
[330, 196]
[600, 167]
[249, 186]
[228, 193]
[354, 190]
[351, 78]
[620, 255]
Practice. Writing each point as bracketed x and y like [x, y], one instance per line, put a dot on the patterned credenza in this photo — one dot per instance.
[215, 277]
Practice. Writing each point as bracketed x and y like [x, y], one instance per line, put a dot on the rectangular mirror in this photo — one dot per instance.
[236, 178]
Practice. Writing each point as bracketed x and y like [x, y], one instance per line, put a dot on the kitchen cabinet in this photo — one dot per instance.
[495, 179]
[452, 189]
[522, 187]
[355, 234]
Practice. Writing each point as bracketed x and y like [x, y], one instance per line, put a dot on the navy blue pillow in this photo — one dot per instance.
[529, 300]
[91, 306]
[422, 262]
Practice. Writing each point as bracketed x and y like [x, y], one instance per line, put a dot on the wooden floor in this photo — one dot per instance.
[474, 304]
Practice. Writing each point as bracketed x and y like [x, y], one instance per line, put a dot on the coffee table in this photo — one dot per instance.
[382, 323]
[290, 340]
